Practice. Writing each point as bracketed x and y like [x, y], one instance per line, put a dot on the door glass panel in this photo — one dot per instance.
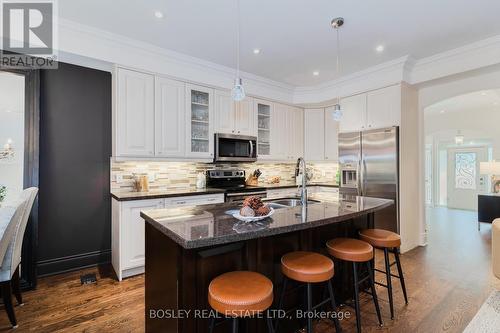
[199, 121]
[465, 171]
[264, 127]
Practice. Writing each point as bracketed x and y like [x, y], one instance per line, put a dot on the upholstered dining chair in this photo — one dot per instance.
[11, 257]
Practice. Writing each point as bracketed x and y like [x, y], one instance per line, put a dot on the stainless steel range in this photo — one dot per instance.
[233, 181]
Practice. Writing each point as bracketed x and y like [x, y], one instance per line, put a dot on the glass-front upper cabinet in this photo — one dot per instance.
[264, 113]
[199, 122]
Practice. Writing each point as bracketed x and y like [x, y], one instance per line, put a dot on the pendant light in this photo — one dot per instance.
[459, 138]
[238, 93]
[336, 24]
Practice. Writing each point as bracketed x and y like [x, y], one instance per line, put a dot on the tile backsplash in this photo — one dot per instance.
[172, 175]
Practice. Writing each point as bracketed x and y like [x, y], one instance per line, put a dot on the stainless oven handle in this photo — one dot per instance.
[245, 193]
[251, 148]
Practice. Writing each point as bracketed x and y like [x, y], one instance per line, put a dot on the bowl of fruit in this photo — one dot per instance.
[253, 209]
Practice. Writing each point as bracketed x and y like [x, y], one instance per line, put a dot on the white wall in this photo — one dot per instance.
[12, 127]
[438, 90]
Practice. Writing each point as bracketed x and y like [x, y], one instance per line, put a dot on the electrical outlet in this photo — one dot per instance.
[323, 173]
[119, 178]
[151, 176]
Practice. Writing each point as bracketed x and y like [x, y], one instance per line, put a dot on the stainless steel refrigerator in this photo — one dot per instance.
[369, 166]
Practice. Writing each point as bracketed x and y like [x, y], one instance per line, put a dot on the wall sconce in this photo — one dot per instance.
[7, 151]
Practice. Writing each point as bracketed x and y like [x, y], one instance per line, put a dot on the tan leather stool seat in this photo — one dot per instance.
[380, 238]
[308, 267]
[240, 293]
[350, 249]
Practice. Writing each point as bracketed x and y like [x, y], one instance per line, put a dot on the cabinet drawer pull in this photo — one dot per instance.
[180, 202]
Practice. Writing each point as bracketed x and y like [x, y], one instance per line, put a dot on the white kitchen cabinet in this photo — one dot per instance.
[287, 132]
[314, 134]
[225, 113]
[234, 117]
[170, 118]
[265, 112]
[295, 133]
[383, 107]
[199, 121]
[278, 193]
[331, 136]
[279, 133]
[354, 113]
[127, 229]
[127, 241]
[246, 117]
[375, 109]
[194, 200]
[134, 114]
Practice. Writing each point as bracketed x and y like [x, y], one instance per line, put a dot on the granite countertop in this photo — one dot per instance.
[200, 226]
[177, 192]
[292, 184]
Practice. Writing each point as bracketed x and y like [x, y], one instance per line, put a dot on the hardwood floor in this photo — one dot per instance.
[447, 282]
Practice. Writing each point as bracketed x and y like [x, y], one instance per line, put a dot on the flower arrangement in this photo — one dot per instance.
[3, 192]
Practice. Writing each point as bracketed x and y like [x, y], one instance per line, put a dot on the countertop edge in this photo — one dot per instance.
[201, 243]
[181, 193]
[165, 195]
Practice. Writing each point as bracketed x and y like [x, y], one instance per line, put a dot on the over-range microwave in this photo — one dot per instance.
[235, 148]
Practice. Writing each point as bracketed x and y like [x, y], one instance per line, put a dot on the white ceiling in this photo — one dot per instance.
[294, 36]
[476, 101]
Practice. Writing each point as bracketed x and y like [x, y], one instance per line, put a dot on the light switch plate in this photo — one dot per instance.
[119, 178]
[151, 176]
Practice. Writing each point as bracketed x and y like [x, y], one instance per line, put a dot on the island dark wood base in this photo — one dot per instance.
[177, 279]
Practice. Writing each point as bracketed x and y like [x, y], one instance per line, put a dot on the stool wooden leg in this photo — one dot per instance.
[309, 309]
[400, 273]
[374, 292]
[356, 297]
[235, 325]
[389, 280]
[334, 307]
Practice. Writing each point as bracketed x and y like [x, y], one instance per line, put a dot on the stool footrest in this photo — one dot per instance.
[381, 271]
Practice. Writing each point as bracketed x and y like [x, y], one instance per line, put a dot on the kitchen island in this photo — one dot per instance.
[187, 247]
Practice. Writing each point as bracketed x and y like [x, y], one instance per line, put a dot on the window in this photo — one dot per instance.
[465, 171]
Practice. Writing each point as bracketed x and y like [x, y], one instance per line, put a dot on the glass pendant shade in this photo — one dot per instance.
[337, 112]
[238, 92]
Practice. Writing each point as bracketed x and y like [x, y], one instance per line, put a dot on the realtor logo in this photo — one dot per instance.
[28, 34]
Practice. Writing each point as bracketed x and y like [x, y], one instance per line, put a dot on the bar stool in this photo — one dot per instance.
[389, 242]
[309, 268]
[240, 294]
[356, 251]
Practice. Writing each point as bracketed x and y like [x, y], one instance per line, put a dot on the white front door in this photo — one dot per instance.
[464, 180]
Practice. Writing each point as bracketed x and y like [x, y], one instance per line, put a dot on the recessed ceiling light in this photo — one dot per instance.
[442, 111]
[484, 93]
[256, 51]
[158, 14]
[380, 48]
[315, 73]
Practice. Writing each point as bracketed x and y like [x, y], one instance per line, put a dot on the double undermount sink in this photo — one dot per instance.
[287, 202]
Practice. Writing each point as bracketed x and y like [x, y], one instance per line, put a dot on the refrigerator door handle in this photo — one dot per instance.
[360, 177]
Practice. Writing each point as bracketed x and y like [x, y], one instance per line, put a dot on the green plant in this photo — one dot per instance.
[3, 192]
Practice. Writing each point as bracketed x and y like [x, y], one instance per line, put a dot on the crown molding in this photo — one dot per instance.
[483, 53]
[102, 48]
[382, 75]
[83, 40]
